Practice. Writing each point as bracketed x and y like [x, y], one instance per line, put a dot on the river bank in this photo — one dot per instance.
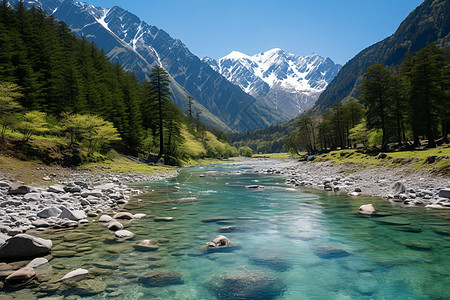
[397, 183]
[62, 198]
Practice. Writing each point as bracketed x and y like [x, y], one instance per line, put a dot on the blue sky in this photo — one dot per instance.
[338, 29]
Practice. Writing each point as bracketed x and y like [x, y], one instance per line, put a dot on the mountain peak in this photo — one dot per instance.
[235, 55]
[275, 74]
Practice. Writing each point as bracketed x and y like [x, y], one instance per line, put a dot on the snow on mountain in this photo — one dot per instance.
[138, 47]
[284, 81]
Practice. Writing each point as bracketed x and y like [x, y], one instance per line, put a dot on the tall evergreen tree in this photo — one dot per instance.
[426, 91]
[375, 91]
[159, 83]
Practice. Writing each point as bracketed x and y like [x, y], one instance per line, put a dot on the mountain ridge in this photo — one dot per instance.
[139, 46]
[429, 22]
[283, 81]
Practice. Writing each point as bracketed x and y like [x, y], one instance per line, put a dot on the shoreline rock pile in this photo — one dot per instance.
[394, 184]
[58, 206]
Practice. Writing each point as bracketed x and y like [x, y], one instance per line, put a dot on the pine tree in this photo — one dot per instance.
[159, 83]
[375, 91]
[426, 92]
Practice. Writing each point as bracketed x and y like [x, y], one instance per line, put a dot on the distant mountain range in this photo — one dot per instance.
[282, 81]
[429, 22]
[138, 47]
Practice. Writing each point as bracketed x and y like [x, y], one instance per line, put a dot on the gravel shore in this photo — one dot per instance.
[76, 196]
[397, 183]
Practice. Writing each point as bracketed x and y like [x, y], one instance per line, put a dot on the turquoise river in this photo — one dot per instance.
[289, 244]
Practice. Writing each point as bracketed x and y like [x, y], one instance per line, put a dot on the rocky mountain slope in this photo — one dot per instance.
[139, 46]
[429, 22]
[282, 81]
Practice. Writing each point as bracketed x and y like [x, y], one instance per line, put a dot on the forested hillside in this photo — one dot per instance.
[53, 72]
[428, 23]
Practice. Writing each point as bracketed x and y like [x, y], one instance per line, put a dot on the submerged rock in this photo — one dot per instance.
[271, 260]
[146, 246]
[87, 287]
[393, 220]
[160, 278]
[328, 252]
[245, 285]
[21, 276]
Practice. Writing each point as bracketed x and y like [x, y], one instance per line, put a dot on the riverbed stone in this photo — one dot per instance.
[95, 193]
[20, 276]
[444, 193]
[4, 184]
[270, 259]
[114, 226]
[229, 229]
[245, 284]
[105, 218]
[330, 252]
[160, 278]
[15, 189]
[75, 236]
[39, 261]
[75, 273]
[74, 215]
[123, 215]
[56, 188]
[124, 234]
[163, 219]
[394, 220]
[49, 212]
[367, 209]
[139, 216]
[87, 287]
[32, 197]
[146, 246]
[399, 187]
[24, 245]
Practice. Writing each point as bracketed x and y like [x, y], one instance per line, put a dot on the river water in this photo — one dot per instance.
[306, 244]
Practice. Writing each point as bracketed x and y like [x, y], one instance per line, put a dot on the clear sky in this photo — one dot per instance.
[338, 29]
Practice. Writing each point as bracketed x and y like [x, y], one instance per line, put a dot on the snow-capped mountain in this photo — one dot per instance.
[283, 81]
[138, 47]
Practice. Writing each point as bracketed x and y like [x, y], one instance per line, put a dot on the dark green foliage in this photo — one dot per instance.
[428, 23]
[58, 72]
[266, 140]
[329, 131]
[375, 93]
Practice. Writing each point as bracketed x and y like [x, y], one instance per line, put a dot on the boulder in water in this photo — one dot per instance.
[245, 285]
[123, 215]
[146, 246]
[270, 259]
[21, 276]
[24, 246]
[160, 278]
[328, 252]
[366, 209]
